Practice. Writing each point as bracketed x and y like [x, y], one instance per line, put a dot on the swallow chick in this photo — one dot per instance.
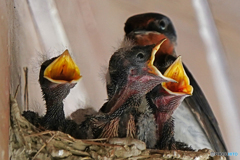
[57, 76]
[165, 99]
[195, 122]
[131, 76]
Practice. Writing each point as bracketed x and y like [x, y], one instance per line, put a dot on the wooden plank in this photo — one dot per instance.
[24, 43]
[4, 80]
[227, 19]
[227, 22]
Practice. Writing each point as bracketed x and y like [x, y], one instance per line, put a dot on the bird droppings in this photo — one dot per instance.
[128, 141]
[29, 142]
[60, 153]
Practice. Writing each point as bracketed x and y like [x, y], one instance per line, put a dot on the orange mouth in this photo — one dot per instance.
[63, 70]
[177, 72]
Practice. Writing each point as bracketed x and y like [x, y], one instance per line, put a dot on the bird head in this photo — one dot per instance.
[151, 28]
[132, 74]
[168, 96]
[57, 76]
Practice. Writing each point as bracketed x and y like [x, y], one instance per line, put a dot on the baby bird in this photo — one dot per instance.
[131, 75]
[57, 76]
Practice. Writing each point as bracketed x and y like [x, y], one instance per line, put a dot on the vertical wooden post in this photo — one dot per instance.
[4, 81]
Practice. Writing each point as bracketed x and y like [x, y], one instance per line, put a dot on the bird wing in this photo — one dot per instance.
[202, 111]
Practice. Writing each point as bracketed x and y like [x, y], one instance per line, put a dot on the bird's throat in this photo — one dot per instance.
[161, 119]
[154, 38]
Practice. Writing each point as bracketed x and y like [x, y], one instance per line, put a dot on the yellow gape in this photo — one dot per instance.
[63, 70]
[177, 72]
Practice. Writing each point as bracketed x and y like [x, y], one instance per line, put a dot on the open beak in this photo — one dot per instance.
[63, 70]
[177, 72]
[152, 68]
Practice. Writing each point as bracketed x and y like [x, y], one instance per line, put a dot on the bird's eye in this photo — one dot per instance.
[162, 24]
[140, 55]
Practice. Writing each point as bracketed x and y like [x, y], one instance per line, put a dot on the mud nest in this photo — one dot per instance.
[29, 142]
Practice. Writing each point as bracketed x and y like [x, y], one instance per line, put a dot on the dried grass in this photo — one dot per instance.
[29, 142]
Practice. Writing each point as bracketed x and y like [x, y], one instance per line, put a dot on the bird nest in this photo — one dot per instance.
[29, 142]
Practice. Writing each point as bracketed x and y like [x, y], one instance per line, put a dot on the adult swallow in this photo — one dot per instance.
[200, 130]
[57, 76]
[131, 75]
